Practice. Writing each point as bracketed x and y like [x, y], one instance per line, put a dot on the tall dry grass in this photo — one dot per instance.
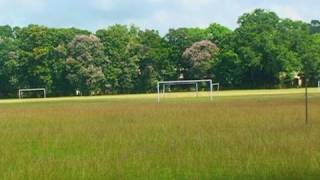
[231, 138]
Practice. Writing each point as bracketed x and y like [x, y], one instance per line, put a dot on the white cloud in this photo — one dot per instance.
[21, 12]
[287, 12]
[106, 5]
[24, 5]
[192, 5]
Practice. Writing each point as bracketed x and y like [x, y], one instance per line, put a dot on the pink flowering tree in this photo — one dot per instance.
[199, 59]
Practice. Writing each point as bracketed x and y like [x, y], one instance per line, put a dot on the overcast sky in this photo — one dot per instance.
[155, 14]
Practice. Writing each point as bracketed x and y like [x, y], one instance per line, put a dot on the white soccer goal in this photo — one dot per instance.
[184, 82]
[21, 91]
[217, 85]
[318, 84]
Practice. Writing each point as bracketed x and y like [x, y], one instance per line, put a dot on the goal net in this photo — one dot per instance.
[22, 92]
[163, 84]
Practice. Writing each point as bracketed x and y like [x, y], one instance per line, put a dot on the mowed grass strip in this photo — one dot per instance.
[170, 95]
[261, 137]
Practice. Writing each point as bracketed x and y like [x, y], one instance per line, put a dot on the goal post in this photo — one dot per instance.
[21, 91]
[183, 82]
[216, 85]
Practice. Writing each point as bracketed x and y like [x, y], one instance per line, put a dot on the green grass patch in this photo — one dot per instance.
[253, 136]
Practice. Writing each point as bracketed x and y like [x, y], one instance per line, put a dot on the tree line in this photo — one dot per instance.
[265, 51]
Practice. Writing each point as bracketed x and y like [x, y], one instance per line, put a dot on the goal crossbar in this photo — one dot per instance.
[30, 90]
[196, 82]
[185, 81]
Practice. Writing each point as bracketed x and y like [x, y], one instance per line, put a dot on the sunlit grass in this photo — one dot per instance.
[233, 137]
[170, 95]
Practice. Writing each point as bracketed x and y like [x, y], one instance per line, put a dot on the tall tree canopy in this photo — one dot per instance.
[268, 47]
[265, 51]
[121, 44]
[199, 59]
[85, 64]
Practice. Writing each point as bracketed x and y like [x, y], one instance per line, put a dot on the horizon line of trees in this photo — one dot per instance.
[265, 51]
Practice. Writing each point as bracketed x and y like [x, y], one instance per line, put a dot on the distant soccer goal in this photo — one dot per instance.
[23, 91]
[184, 82]
[216, 86]
[318, 84]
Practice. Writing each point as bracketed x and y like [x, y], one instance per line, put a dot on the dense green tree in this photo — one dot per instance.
[181, 39]
[264, 51]
[35, 46]
[6, 31]
[218, 34]
[292, 42]
[121, 45]
[311, 60]
[8, 66]
[267, 47]
[253, 42]
[227, 69]
[62, 37]
[148, 79]
[315, 26]
[85, 64]
[42, 55]
[154, 61]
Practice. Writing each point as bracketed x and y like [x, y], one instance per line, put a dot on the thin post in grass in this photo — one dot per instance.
[158, 90]
[306, 97]
[163, 89]
[306, 100]
[211, 90]
[197, 90]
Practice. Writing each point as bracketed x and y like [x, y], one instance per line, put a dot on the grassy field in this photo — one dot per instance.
[240, 135]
